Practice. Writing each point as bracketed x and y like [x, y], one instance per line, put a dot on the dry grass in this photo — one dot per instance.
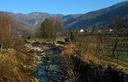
[90, 56]
[104, 61]
[68, 49]
[12, 66]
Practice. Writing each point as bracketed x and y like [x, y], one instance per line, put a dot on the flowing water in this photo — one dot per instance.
[48, 68]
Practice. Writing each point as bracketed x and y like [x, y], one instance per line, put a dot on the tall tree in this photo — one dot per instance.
[50, 28]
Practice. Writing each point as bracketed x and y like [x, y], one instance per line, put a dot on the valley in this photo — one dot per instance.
[81, 47]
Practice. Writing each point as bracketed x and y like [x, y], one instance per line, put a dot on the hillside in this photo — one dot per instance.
[100, 17]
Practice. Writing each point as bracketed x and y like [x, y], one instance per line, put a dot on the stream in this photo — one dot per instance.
[48, 67]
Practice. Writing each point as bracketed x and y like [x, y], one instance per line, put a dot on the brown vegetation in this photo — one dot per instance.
[78, 69]
[14, 66]
[16, 63]
[6, 25]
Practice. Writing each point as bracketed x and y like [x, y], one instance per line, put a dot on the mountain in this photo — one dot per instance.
[31, 19]
[26, 23]
[100, 17]
[34, 19]
[69, 18]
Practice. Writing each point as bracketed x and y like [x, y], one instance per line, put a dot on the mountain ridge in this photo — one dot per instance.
[111, 12]
[101, 17]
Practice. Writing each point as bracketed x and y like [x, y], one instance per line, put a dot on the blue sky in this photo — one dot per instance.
[55, 6]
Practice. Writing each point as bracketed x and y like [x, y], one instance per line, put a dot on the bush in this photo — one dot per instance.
[13, 66]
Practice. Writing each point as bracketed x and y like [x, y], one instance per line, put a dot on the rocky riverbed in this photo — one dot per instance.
[48, 67]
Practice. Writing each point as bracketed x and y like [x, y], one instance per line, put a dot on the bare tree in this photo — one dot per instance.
[117, 26]
[5, 29]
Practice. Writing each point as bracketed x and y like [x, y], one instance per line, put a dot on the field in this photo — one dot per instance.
[111, 49]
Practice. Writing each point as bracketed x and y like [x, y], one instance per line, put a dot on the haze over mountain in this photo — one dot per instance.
[100, 17]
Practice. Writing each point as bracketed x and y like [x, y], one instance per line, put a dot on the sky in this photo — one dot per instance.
[55, 6]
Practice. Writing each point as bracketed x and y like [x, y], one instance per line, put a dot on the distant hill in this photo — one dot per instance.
[32, 19]
[26, 23]
[100, 17]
